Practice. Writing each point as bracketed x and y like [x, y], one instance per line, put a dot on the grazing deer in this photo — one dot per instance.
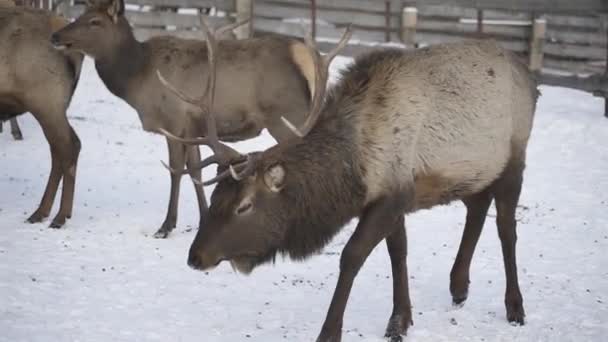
[400, 132]
[261, 80]
[42, 84]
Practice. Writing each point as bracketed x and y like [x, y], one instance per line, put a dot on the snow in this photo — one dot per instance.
[104, 278]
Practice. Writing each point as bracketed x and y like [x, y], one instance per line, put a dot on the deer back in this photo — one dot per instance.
[258, 80]
[444, 119]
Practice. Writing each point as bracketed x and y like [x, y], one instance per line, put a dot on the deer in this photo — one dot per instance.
[42, 84]
[401, 131]
[262, 79]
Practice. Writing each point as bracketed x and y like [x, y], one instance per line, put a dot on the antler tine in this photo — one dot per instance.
[220, 31]
[321, 75]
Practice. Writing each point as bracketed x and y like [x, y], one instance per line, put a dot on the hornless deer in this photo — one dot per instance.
[43, 84]
[401, 131]
[261, 79]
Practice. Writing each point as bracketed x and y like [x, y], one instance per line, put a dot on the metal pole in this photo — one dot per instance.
[479, 22]
[387, 21]
[313, 18]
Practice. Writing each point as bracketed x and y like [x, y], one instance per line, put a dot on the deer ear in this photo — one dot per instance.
[274, 177]
[115, 9]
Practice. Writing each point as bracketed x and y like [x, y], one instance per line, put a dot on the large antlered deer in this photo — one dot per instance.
[36, 78]
[261, 80]
[401, 131]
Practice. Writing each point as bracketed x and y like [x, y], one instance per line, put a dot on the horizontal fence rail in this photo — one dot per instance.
[565, 41]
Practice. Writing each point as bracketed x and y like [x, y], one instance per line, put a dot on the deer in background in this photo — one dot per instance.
[400, 132]
[42, 84]
[261, 80]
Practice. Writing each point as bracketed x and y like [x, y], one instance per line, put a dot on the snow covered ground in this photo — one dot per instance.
[104, 278]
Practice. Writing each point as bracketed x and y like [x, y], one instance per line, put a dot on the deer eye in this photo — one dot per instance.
[95, 22]
[244, 208]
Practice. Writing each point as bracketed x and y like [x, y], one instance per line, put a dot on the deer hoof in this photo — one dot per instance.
[36, 217]
[515, 316]
[397, 327]
[57, 222]
[515, 309]
[162, 233]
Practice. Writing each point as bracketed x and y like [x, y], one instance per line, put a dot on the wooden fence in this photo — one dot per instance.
[564, 40]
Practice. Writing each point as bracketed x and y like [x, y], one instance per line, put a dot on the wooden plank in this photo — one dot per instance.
[572, 66]
[224, 5]
[546, 6]
[427, 38]
[593, 83]
[378, 20]
[300, 29]
[143, 34]
[375, 6]
[158, 19]
[590, 22]
[519, 32]
[576, 38]
[575, 51]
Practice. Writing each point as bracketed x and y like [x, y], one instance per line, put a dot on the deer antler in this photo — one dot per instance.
[321, 75]
[222, 154]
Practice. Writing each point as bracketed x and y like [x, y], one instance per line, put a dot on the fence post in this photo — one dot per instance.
[479, 22]
[409, 18]
[387, 21]
[537, 44]
[244, 10]
[313, 19]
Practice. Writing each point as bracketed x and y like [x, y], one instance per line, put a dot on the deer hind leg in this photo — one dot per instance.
[68, 167]
[477, 209]
[177, 160]
[506, 193]
[377, 222]
[194, 157]
[64, 152]
[401, 317]
[15, 130]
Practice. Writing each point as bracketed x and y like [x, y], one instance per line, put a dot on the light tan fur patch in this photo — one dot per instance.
[301, 56]
[57, 23]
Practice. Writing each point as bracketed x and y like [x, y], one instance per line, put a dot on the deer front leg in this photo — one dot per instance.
[177, 159]
[15, 130]
[377, 222]
[401, 318]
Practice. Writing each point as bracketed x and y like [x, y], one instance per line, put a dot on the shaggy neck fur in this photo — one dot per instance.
[324, 184]
[121, 64]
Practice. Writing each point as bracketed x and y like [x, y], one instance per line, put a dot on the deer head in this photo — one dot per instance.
[248, 217]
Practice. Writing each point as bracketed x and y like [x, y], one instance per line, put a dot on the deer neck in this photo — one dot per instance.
[119, 66]
[327, 187]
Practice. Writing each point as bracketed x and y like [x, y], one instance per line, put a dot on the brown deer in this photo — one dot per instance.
[261, 80]
[400, 132]
[42, 84]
